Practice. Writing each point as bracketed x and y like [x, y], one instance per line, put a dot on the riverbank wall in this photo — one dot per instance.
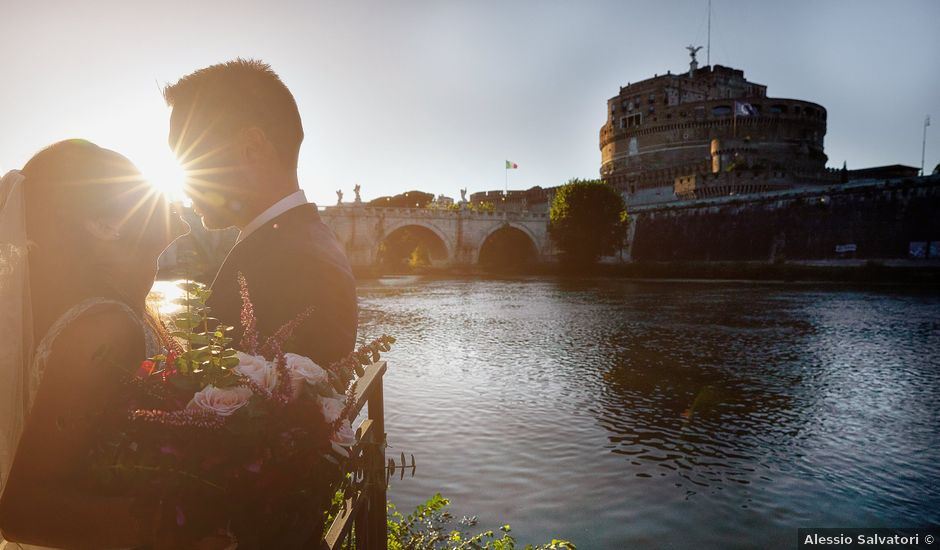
[866, 231]
[839, 226]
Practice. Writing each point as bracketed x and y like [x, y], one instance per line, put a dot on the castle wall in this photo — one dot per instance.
[709, 122]
[881, 219]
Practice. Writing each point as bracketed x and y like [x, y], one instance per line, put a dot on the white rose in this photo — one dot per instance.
[221, 401]
[257, 369]
[301, 370]
[331, 408]
[344, 435]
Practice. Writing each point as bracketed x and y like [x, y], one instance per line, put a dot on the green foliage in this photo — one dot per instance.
[427, 529]
[206, 348]
[483, 207]
[587, 220]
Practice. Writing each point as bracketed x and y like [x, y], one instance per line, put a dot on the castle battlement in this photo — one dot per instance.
[709, 130]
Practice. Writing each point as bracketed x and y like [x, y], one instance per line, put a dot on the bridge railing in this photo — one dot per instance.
[430, 212]
[361, 520]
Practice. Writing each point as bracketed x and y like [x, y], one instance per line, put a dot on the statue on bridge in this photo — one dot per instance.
[463, 195]
[356, 191]
[339, 197]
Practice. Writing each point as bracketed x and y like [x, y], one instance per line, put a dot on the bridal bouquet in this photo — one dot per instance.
[249, 437]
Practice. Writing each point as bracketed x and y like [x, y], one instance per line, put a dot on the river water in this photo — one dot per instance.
[621, 414]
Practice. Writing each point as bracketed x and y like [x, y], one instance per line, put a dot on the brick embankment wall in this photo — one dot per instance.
[880, 218]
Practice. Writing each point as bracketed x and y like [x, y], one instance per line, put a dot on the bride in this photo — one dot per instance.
[93, 230]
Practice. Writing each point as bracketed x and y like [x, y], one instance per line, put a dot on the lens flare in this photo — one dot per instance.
[166, 175]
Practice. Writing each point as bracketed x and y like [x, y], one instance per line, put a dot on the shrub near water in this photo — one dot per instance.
[427, 528]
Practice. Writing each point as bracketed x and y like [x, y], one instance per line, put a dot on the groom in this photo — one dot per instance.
[236, 129]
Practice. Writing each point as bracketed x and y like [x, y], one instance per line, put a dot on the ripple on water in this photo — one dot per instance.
[616, 413]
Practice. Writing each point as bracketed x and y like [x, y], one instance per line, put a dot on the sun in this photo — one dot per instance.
[166, 175]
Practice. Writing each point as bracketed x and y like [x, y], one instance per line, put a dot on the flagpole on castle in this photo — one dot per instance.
[509, 166]
[923, 146]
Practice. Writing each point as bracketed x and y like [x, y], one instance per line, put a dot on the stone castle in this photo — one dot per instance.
[709, 132]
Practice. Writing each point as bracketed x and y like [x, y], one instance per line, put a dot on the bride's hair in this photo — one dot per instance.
[70, 185]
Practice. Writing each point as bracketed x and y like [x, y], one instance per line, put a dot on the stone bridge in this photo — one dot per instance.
[456, 236]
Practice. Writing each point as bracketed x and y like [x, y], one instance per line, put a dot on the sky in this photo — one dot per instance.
[437, 95]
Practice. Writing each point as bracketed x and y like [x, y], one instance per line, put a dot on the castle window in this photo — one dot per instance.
[631, 120]
[778, 109]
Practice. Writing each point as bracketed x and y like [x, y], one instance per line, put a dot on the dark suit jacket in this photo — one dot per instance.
[290, 263]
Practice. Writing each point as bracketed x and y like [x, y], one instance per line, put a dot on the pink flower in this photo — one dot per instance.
[258, 369]
[302, 370]
[344, 435]
[220, 401]
[332, 408]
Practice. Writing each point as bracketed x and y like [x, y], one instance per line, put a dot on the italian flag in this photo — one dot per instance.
[511, 165]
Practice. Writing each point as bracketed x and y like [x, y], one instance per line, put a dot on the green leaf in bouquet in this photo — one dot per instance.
[199, 340]
[201, 355]
[229, 362]
[190, 301]
[184, 323]
[191, 286]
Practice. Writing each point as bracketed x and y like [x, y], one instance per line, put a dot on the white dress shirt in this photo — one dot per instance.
[297, 198]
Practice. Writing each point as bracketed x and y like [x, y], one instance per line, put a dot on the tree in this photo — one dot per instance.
[587, 220]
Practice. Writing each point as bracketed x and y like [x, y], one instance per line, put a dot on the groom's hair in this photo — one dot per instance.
[240, 94]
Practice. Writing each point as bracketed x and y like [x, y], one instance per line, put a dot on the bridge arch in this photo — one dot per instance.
[412, 233]
[516, 236]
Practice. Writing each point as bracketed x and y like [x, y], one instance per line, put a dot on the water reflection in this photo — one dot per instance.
[662, 415]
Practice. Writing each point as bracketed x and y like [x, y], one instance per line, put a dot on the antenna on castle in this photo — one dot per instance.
[708, 50]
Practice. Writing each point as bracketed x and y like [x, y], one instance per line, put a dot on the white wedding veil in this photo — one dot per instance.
[16, 323]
